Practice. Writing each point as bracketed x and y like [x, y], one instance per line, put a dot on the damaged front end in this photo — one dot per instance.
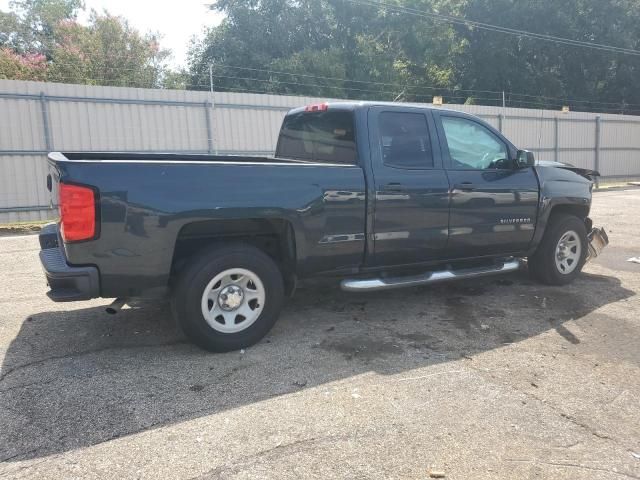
[598, 240]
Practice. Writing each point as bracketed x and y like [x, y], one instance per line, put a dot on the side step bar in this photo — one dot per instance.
[375, 284]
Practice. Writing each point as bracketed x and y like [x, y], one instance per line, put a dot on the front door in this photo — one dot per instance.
[493, 202]
[411, 188]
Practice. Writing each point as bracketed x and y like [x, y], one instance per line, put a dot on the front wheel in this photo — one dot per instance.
[229, 297]
[562, 253]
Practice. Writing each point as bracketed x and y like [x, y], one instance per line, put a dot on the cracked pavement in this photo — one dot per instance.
[495, 378]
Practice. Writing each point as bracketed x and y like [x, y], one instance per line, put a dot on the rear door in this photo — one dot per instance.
[411, 188]
[493, 203]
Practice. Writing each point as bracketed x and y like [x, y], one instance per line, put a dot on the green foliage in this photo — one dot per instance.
[38, 21]
[17, 66]
[380, 53]
[9, 25]
[42, 40]
[106, 52]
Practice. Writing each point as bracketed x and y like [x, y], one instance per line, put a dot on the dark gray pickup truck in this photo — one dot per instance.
[382, 195]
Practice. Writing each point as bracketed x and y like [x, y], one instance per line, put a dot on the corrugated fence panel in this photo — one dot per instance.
[519, 130]
[22, 186]
[619, 163]
[621, 147]
[621, 134]
[104, 126]
[577, 134]
[91, 118]
[21, 125]
[244, 130]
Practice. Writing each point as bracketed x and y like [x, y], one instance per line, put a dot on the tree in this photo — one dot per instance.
[42, 40]
[16, 66]
[9, 25]
[309, 38]
[37, 21]
[106, 52]
[381, 52]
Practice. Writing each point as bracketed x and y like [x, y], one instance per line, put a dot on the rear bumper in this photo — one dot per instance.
[67, 283]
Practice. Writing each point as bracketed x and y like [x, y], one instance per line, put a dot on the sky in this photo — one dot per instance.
[177, 22]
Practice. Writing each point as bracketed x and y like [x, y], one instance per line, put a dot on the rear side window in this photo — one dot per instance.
[404, 139]
[326, 137]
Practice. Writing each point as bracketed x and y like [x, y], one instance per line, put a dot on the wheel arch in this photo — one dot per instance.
[274, 236]
[552, 207]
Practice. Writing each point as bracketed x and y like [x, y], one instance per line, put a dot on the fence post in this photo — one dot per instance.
[596, 165]
[556, 136]
[207, 117]
[48, 144]
[500, 122]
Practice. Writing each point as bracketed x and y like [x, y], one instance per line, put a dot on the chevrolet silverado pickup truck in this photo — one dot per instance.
[381, 195]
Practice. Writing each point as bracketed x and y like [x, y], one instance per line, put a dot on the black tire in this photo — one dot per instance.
[194, 278]
[542, 264]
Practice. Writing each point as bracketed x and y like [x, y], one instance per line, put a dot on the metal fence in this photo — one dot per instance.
[36, 118]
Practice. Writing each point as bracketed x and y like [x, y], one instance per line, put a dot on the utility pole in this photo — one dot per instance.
[213, 105]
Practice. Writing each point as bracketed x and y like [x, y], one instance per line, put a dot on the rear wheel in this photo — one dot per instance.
[228, 297]
[562, 253]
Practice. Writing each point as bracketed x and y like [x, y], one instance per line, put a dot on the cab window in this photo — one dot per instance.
[404, 140]
[325, 137]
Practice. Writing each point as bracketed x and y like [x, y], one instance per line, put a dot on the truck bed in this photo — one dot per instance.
[147, 203]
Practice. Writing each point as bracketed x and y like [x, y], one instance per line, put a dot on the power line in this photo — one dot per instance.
[497, 28]
[316, 85]
[369, 82]
[432, 88]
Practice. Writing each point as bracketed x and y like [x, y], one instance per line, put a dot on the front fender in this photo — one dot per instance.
[560, 190]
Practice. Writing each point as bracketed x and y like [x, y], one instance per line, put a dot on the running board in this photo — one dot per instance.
[375, 284]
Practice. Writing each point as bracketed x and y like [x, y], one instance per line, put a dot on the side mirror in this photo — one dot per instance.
[525, 159]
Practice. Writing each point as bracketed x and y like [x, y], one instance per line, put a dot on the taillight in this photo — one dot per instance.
[77, 212]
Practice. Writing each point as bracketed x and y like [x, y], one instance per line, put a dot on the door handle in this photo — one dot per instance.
[465, 187]
[394, 187]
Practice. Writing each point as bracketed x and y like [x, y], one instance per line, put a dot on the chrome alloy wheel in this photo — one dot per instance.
[568, 252]
[233, 300]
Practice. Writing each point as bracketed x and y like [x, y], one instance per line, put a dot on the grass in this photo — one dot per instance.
[22, 227]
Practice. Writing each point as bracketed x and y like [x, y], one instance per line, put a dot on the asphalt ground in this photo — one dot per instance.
[495, 378]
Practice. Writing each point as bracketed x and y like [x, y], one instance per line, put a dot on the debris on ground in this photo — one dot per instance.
[635, 455]
[634, 260]
[436, 473]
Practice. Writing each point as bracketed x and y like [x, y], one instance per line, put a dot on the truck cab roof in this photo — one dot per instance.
[357, 105]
